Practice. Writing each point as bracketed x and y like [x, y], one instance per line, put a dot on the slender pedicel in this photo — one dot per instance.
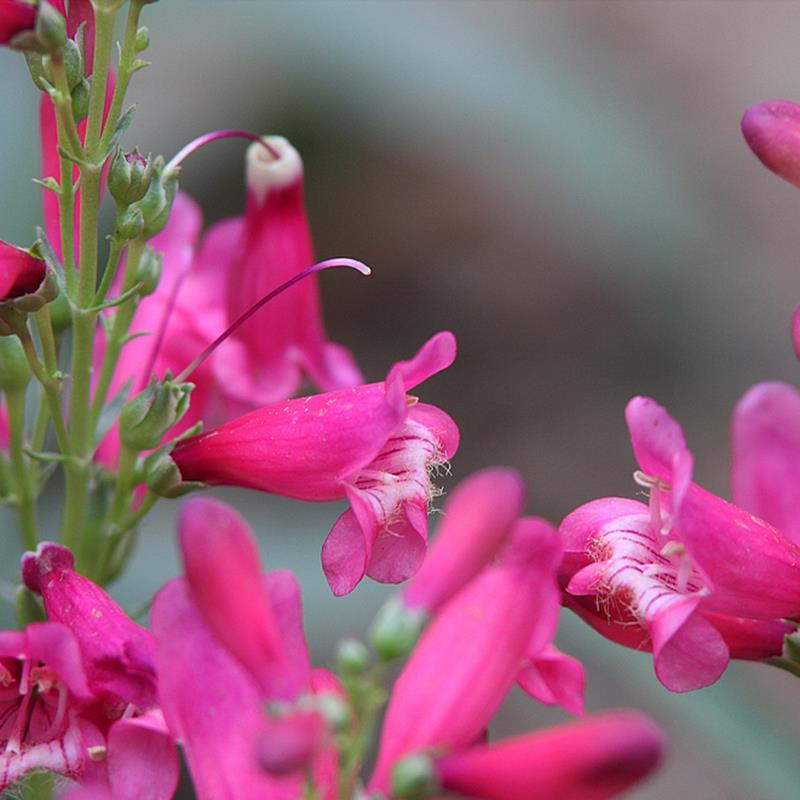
[330, 263]
[206, 138]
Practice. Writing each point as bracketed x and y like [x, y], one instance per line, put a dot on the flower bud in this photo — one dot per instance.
[60, 314]
[352, 657]
[145, 418]
[80, 100]
[44, 33]
[772, 130]
[156, 204]
[335, 711]
[130, 224]
[396, 629]
[148, 273]
[73, 63]
[129, 177]
[162, 476]
[414, 778]
[14, 370]
[142, 41]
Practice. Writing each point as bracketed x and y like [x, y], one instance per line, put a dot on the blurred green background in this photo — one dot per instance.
[563, 185]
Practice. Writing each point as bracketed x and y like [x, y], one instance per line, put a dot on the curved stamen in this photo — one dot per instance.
[330, 263]
[206, 138]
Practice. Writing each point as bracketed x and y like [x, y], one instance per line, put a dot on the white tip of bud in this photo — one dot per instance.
[265, 172]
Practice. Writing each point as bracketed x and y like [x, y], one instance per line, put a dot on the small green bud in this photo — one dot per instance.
[51, 28]
[157, 202]
[130, 224]
[414, 778]
[60, 314]
[148, 273]
[396, 629]
[335, 711]
[145, 418]
[80, 100]
[73, 63]
[162, 476]
[36, 69]
[14, 370]
[29, 607]
[142, 40]
[129, 177]
[352, 657]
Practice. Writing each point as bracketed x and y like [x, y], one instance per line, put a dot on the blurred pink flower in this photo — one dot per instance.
[471, 653]
[592, 759]
[245, 630]
[772, 130]
[372, 444]
[16, 16]
[685, 568]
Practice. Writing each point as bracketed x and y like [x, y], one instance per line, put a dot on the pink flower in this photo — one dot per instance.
[471, 653]
[16, 16]
[231, 644]
[688, 570]
[272, 243]
[372, 444]
[765, 476]
[118, 654]
[772, 130]
[52, 720]
[593, 759]
[20, 272]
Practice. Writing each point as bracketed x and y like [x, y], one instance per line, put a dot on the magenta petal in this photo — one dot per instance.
[754, 570]
[55, 645]
[211, 704]
[688, 652]
[399, 550]
[477, 520]
[345, 554]
[142, 759]
[582, 525]
[222, 567]
[440, 423]
[436, 354]
[772, 130]
[749, 639]
[655, 435]
[555, 679]
[20, 272]
[765, 476]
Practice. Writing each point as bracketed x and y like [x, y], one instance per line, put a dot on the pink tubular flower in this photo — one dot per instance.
[765, 476]
[20, 272]
[372, 444]
[244, 632]
[16, 16]
[690, 570]
[772, 130]
[593, 759]
[118, 654]
[470, 655]
[272, 243]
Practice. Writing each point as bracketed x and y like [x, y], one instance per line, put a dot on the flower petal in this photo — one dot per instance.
[655, 435]
[555, 679]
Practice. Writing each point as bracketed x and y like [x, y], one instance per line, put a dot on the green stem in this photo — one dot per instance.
[126, 61]
[107, 568]
[66, 208]
[62, 100]
[119, 330]
[103, 44]
[15, 401]
[110, 271]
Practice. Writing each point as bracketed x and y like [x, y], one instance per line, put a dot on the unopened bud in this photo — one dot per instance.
[414, 778]
[396, 629]
[772, 130]
[148, 273]
[335, 711]
[157, 202]
[14, 370]
[73, 63]
[142, 40]
[50, 30]
[145, 418]
[129, 177]
[352, 657]
[60, 314]
[130, 224]
[80, 100]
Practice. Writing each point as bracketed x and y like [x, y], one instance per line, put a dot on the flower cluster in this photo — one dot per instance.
[159, 374]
